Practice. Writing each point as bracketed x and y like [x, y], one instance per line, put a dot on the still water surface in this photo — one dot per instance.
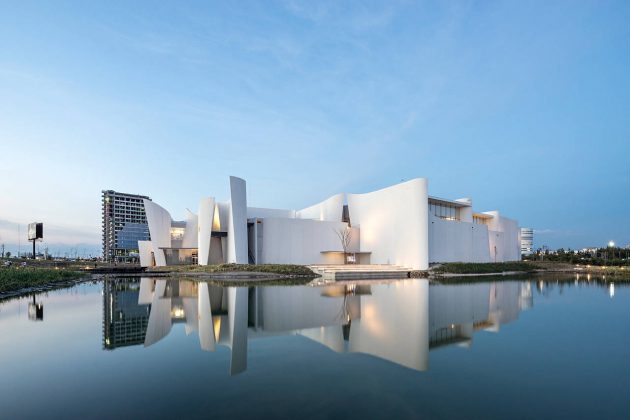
[402, 349]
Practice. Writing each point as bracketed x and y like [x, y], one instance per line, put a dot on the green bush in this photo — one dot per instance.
[284, 269]
[16, 278]
[483, 268]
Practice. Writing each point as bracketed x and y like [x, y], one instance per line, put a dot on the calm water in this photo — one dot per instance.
[403, 349]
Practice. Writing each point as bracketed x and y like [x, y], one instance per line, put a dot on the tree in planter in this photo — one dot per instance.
[345, 237]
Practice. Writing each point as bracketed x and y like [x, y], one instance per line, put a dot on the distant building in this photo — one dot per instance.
[124, 224]
[527, 241]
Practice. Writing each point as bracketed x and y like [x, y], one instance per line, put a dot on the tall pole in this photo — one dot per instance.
[33, 248]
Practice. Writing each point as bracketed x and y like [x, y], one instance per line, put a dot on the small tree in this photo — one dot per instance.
[8, 254]
[345, 237]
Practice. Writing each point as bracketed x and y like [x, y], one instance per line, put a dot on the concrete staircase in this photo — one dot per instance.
[360, 272]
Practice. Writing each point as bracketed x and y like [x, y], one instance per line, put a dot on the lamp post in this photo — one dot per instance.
[611, 245]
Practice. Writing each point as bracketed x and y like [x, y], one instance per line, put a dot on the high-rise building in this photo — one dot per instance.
[527, 241]
[124, 224]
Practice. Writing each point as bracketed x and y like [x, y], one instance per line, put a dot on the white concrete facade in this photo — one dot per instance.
[206, 217]
[393, 223]
[400, 225]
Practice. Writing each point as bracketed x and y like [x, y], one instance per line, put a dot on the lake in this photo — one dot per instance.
[150, 347]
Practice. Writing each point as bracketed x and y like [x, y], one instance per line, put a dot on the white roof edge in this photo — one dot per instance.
[452, 202]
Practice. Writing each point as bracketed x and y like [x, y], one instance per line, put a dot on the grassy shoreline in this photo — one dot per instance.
[484, 268]
[457, 271]
[14, 279]
[278, 269]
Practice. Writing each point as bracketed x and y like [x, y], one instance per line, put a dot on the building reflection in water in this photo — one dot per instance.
[456, 312]
[35, 310]
[398, 321]
[124, 319]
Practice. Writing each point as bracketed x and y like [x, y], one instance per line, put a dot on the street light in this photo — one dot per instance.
[611, 245]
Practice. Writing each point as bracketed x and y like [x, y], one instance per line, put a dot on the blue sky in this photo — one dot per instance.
[523, 106]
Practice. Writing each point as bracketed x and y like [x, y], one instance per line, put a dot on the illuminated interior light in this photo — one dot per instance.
[216, 221]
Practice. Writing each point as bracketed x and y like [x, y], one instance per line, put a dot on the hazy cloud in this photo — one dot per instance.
[53, 234]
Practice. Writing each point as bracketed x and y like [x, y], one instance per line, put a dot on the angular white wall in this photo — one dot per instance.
[237, 222]
[394, 224]
[191, 232]
[453, 241]
[206, 216]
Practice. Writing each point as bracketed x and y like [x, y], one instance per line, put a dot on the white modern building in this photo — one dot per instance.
[527, 241]
[399, 225]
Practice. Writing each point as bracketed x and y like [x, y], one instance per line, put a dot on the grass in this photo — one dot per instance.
[16, 278]
[248, 283]
[484, 279]
[484, 268]
[280, 269]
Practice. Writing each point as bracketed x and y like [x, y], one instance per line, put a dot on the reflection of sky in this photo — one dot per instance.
[72, 313]
[551, 351]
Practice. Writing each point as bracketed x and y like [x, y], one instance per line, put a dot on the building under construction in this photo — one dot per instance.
[124, 224]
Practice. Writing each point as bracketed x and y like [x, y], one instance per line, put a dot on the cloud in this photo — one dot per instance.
[357, 17]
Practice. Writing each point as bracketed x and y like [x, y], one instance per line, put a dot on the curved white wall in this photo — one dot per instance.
[206, 216]
[329, 210]
[159, 221]
[160, 322]
[394, 223]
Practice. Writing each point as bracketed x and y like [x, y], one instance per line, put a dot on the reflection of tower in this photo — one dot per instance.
[526, 296]
[124, 321]
[35, 310]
